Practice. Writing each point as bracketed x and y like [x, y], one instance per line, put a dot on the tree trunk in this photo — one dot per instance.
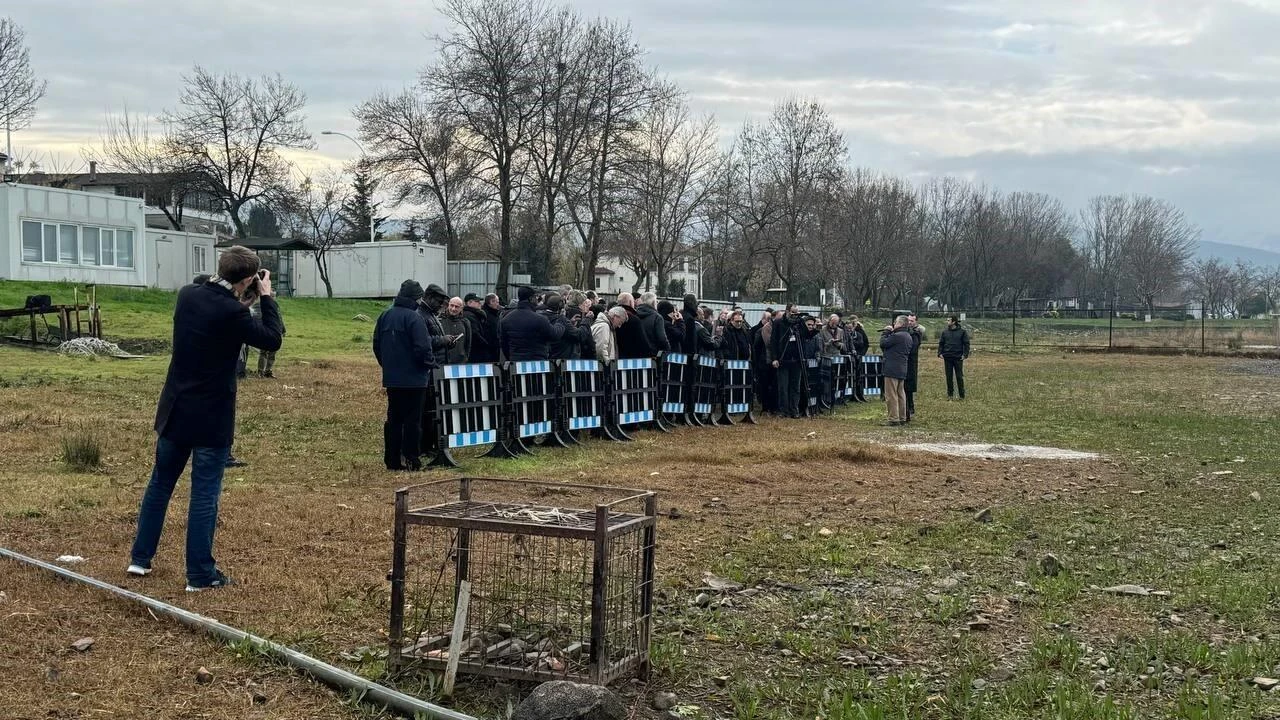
[241, 230]
[504, 234]
[322, 267]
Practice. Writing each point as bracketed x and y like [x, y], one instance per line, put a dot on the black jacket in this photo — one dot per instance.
[197, 407]
[787, 338]
[675, 335]
[569, 346]
[654, 329]
[896, 347]
[435, 333]
[736, 344]
[633, 339]
[484, 337]
[402, 346]
[526, 335]
[913, 360]
[460, 352]
[954, 343]
[859, 343]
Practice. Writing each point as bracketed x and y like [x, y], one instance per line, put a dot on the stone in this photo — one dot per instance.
[675, 513]
[702, 600]
[1102, 662]
[721, 584]
[951, 480]
[980, 624]
[564, 700]
[826, 532]
[1265, 684]
[1050, 565]
[82, 644]
[259, 698]
[1136, 590]
[788, 536]
[1100, 686]
[979, 684]
[1255, 496]
[1001, 674]
[663, 700]
[985, 516]
[203, 676]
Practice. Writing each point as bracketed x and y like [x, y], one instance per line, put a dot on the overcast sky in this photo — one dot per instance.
[1173, 98]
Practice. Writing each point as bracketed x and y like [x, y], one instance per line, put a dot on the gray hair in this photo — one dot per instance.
[576, 298]
[618, 311]
[626, 298]
[900, 320]
[650, 299]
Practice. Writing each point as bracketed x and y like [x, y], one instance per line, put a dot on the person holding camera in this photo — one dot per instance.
[195, 418]
[896, 344]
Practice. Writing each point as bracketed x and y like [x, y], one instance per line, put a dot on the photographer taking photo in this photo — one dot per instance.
[195, 418]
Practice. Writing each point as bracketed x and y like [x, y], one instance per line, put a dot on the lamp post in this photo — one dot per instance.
[365, 158]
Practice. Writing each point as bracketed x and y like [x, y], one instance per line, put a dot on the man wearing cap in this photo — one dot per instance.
[484, 336]
[526, 334]
[403, 349]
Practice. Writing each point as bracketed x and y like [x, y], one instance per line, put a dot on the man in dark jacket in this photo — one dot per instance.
[857, 344]
[456, 326]
[633, 339]
[570, 344]
[403, 349]
[736, 344]
[788, 337]
[652, 323]
[493, 311]
[484, 336]
[697, 339]
[670, 326]
[762, 355]
[896, 343]
[953, 348]
[524, 334]
[195, 418]
[913, 364]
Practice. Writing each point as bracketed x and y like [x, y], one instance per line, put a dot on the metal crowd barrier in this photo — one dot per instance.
[738, 389]
[703, 389]
[468, 411]
[532, 402]
[841, 380]
[872, 376]
[582, 397]
[673, 393]
[811, 382]
[633, 393]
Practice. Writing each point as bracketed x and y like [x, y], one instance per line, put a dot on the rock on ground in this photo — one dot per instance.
[563, 700]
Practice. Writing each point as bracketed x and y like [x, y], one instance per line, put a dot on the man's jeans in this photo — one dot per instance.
[207, 465]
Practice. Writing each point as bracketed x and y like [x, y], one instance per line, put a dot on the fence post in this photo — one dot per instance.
[1015, 325]
[1111, 322]
[1202, 327]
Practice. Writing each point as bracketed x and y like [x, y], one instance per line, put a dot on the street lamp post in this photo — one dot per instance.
[364, 157]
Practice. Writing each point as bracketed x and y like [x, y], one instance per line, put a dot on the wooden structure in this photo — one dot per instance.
[74, 321]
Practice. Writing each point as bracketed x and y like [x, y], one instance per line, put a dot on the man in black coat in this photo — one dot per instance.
[953, 348]
[652, 323]
[493, 311]
[697, 339]
[788, 338]
[429, 305]
[913, 364]
[671, 325]
[736, 344]
[525, 334]
[570, 344]
[633, 339]
[484, 335]
[195, 419]
[762, 355]
[403, 349]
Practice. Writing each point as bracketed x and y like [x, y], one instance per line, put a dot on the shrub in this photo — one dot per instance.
[81, 450]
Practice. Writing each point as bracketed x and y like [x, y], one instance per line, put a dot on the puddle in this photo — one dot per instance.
[1000, 452]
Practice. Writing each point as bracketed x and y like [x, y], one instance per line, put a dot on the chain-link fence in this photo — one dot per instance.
[1119, 327]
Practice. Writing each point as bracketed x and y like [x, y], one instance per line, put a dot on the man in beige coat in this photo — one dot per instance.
[604, 332]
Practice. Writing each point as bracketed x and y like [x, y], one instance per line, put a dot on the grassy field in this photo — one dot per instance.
[907, 607]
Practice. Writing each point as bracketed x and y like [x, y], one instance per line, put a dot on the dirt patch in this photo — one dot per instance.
[1000, 452]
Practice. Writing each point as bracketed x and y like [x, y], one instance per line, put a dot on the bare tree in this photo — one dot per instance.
[620, 90]
[1208, 280]
[420, 154]
[227, 134]
[487, 79]
[1269, 286]
[127, 144]
[1157, 245]
[1104, 224]
[669, 181]
[20, 90]
[1038, 231]
[946, 204]
[804, 159]
[313, 212]
[1242, 286]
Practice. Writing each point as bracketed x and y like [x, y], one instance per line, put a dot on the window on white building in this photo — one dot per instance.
[67, 244]
[198, 259]
[32, 250]
[597, 282]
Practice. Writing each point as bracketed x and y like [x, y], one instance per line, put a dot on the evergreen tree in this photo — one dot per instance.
[411, 233]
[360, 206]
[263, 223]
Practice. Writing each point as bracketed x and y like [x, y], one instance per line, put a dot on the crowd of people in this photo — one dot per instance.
[425, 328]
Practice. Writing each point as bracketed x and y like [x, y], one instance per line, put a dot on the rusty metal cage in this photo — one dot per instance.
[556, 593]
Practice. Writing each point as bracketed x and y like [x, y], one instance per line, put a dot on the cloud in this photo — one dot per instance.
[1176, 98]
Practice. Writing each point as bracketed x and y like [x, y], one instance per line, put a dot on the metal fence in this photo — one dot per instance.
[1112, 328]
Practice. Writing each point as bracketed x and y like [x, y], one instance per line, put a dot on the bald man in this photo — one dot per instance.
[455, 323]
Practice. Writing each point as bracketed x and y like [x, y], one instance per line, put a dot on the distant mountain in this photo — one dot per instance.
[1231, 253]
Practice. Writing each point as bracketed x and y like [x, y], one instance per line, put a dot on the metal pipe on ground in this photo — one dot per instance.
[326, 673]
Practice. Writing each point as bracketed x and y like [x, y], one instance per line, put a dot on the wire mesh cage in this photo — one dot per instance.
[551, 592]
